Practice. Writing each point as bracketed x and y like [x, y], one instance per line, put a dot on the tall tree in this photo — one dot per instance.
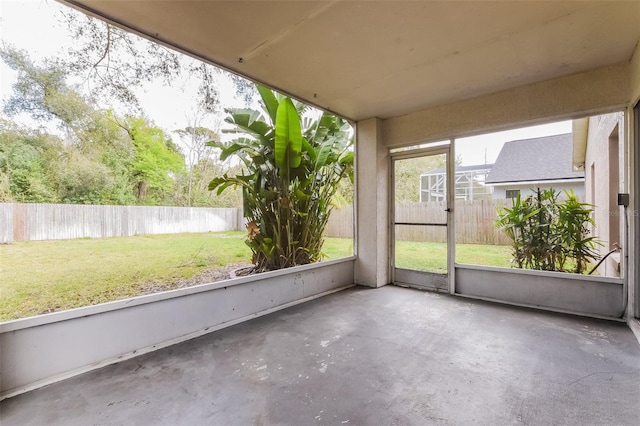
[25, 159]
[114, 63]
[41, 90]
[407, 176]
[157, 161]
[199, 156]
[103, 158]
[92, 161]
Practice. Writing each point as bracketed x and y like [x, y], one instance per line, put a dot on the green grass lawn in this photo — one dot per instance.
[38, 277]
[432, 257]
[46, 276]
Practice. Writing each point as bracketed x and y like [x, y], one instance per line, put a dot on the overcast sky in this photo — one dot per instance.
[31, 25]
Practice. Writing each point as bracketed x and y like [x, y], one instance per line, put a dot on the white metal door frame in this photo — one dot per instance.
[447, 149]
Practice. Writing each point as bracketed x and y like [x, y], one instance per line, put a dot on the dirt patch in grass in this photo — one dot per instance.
[208, 276]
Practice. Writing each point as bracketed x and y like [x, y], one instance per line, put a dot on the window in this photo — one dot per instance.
[512, 193]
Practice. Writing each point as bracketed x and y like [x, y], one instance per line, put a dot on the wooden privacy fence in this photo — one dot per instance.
[340, 223]
[474, 222]
[29, 222]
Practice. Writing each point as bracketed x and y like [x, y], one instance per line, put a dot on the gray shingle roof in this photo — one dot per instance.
[538, 159]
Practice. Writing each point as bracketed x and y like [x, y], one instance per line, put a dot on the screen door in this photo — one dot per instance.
[422, 246]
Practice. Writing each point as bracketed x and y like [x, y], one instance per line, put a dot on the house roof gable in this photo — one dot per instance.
[537, 159]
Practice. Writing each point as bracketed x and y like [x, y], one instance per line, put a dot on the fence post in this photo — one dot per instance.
[240, 225]
[7, 214]
[19, 222]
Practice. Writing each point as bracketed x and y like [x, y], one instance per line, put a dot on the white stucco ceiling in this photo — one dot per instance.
[383, 59]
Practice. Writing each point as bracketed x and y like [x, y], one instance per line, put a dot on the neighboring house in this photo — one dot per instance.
[598, 152]
[470, 183]
[526, 164]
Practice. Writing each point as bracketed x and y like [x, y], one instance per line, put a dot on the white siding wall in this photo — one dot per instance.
[500, 192]
[603, 185]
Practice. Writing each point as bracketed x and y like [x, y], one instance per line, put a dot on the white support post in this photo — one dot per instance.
[372, 205]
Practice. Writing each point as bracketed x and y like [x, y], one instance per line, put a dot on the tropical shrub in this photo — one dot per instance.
[548, 233]
[292, 169]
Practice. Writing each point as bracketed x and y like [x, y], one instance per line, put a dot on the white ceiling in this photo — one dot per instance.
[383, 59]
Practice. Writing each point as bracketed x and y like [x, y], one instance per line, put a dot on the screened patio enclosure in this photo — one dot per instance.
[389, 68]
[470, 183]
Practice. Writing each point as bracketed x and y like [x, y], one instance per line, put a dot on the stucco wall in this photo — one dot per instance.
[372, 219]
[604, 179]
[559, 291]
[601, 90]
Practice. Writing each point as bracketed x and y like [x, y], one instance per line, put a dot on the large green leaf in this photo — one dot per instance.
[288, 140]
[306, 147]
[270, 101]
[227, 151]
[216, 144]
[347, 158]
[323, 153]
[249, 124]
[241, 116]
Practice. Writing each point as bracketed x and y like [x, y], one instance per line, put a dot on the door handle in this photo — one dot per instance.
[448, 210]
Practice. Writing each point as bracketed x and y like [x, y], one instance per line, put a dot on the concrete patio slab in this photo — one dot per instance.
[388, 356]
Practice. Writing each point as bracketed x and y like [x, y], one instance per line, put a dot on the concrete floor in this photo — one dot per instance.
[390, 356]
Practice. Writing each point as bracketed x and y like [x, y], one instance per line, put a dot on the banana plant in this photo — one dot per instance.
[293, 164]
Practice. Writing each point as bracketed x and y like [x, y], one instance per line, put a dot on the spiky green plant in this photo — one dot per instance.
[549, 234]
[293, 168]
[575, 217]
